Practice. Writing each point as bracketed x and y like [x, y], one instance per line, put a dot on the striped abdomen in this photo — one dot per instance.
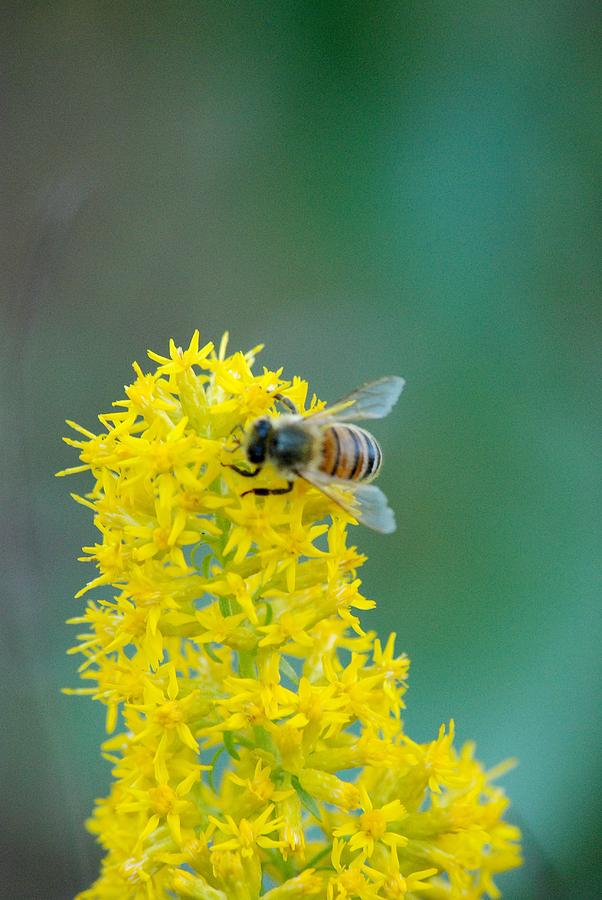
[349, 453]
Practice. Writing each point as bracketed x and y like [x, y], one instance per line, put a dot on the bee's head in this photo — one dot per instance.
[259, 435]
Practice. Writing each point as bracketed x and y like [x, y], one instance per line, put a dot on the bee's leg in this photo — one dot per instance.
[286, 402]
[264, 492]
[233, 434]
[242, 472]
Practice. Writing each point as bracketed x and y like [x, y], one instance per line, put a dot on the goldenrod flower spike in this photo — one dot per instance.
[257, 744]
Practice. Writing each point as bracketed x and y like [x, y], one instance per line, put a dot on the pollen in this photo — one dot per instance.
[169, 715]
[373, 823]
[162, 799]
[161, 537]
[247, 838]
[256, 739]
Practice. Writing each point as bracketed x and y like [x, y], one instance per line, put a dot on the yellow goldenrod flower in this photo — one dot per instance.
[256, 739]
[353, 880]
[247, 836]
[396, 886]
[371, 826]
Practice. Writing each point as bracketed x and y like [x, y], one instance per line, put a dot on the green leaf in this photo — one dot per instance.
[229, 745]
[211, 653]
[212, 763]
[306, 799]
[225, 608]
[269, 612]
[205, 564]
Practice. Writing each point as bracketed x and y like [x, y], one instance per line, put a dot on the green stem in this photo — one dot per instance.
[246, 664]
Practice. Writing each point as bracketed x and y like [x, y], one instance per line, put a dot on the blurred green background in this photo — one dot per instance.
[369, 188]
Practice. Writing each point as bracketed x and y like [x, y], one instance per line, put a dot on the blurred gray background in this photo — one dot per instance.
[369, 188]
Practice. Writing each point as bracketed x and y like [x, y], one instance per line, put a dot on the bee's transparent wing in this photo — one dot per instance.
[371, 401]
[367, 503]
[374, 509]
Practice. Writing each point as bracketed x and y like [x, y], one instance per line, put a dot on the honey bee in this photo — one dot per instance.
[324, 450]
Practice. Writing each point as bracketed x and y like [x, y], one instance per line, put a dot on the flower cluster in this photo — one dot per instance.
[255, 728]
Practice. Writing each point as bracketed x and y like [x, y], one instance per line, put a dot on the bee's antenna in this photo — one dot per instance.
[286, 401]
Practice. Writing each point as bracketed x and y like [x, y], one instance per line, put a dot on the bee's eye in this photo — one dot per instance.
[256, 450]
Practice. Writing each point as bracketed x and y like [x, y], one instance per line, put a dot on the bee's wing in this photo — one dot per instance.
[367, 504]
[374, 510]
[371, 401]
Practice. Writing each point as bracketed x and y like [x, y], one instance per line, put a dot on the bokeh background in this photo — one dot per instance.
[369, 188]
